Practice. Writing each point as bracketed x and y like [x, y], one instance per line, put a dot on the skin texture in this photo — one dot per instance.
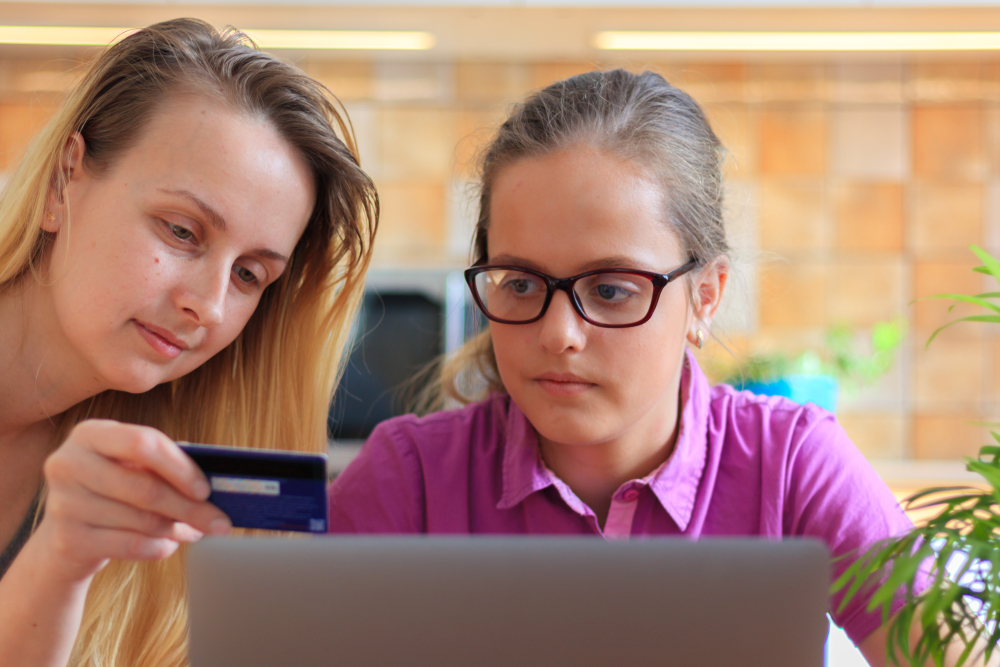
[563, 214]
[179, 237]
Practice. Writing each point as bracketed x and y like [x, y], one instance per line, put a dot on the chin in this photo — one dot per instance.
[135, 379]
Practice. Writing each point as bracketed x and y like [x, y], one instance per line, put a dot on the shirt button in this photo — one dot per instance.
[631, 495]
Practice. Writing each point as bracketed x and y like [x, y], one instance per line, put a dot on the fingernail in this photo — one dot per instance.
[202, 489]
[220, 526]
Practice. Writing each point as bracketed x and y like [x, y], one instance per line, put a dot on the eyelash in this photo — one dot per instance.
[236, 269]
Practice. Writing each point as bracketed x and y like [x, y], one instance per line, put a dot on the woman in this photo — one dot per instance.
[600, 253]
[182, 250]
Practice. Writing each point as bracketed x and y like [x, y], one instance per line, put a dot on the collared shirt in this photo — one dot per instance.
[743, 465]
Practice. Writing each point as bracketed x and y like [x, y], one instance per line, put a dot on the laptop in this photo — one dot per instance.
[507, 602]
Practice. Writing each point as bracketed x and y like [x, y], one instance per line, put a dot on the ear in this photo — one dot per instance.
[710, 283]
[69, 170]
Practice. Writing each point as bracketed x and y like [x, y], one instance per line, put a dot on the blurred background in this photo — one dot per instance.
[858, 173]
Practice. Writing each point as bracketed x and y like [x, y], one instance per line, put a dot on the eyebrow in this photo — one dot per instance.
[218, 222]
[602, 263]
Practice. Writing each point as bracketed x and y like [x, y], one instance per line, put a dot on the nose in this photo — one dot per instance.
[562, 327]
[202, 294]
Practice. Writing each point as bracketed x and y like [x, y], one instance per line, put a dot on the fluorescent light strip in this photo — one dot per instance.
[267, 39]
[796, 41]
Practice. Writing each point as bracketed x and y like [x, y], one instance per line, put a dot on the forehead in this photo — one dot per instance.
[578, 206]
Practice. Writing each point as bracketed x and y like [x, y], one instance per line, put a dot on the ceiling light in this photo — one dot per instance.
[379, 40]
[796, 41]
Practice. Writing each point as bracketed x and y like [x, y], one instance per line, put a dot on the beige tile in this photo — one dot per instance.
[786, 82]
[862, 293]
[868, 216]
[19, 123]
[870, 142]
[414, 82]
[948, 375]
[948, 142]
[476, 128]
[793, 142]
[349, 81]
[945, 82]
[490, 83]
[417, 143]
[792, 295]
[412, 223]
[946, 436]
[544, 74]
[867, 83]
[877, 436]
[737, 127]
[791, 215]
[711, 83]
[936, 277]
[945, 218]
[991, 136]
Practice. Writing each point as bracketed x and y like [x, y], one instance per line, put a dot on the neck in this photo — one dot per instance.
[39, 376]
[596, 471]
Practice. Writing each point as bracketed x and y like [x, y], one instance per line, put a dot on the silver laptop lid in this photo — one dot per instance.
[505, 602]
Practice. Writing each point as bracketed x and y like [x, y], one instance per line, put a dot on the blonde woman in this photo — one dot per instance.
[181, 252]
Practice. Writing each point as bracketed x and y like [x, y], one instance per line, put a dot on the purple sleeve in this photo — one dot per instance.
[381, 491]
[834, 494]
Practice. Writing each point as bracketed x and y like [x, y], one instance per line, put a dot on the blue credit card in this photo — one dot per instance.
[267, 489]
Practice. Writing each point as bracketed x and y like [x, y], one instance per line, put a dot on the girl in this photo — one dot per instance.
[600, 253]
[181, 253]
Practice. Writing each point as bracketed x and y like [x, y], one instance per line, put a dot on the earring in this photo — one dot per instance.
[50, 216]
[700, 336]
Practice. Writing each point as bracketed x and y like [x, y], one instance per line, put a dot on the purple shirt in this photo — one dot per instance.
[743, 465]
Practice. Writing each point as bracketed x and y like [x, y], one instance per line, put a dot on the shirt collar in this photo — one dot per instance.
[675, 483]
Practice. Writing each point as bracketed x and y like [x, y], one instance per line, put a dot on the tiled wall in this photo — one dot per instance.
[854, 189]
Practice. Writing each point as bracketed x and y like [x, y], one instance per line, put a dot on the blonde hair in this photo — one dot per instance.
[636, 117]
[270, 388]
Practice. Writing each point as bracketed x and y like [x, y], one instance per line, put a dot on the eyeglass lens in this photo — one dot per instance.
[607, 298]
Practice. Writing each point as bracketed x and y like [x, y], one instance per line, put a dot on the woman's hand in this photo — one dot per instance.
[121, 491]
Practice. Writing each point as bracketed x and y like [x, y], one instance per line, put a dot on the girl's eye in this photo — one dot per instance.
[245, 275]
[181, 233]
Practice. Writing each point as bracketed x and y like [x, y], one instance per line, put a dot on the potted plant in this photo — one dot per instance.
[956, 553]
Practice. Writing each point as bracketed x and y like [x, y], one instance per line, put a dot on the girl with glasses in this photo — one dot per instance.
[600, 256]
[182, 249]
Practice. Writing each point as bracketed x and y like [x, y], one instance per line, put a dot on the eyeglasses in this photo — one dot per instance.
[613, 298]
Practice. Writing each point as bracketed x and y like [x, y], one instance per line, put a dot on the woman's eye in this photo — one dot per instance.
[181, 233]
[612, 292]
[520, 286]
[245, 275]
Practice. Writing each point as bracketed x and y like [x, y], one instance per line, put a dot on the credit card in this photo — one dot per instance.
[268, 489]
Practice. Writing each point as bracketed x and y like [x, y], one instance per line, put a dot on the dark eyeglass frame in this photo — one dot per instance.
[659, 280]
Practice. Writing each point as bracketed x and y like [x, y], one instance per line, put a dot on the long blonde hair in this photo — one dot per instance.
[271, 387]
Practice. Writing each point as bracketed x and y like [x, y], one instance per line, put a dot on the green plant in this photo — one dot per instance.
[961, 607]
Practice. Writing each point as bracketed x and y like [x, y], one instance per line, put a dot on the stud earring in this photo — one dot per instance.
[50, 216]
[700, 336]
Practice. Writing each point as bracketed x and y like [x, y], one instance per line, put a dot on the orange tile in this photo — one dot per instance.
[861, 293]
[946, 436]
[877, 436]
[491, 83]
[786, 82]
[417, 142]
[792, 295]
[945, 219]
[793, 142]
[946, 82]
[948, 375]
[737, 128]
[932, 277]
[347, 80]
[19, 123]
[948, 142]
[868, 216]
[710, 83]
[412, 221]
[543, 74]
[476, 128]
[791, 215]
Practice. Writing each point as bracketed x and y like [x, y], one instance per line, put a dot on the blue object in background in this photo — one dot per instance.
[820, 390]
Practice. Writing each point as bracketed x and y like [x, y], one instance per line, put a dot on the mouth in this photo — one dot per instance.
[160, 340]
[564, 384]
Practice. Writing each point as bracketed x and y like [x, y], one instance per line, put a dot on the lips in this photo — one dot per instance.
[564, 384]
[160, 339]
